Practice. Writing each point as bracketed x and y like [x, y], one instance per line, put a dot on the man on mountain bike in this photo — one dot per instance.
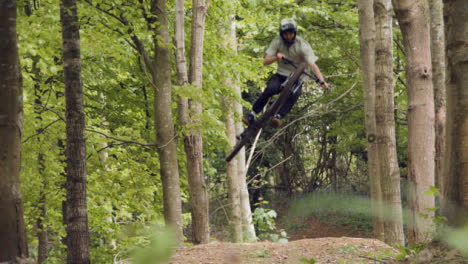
[286, 46]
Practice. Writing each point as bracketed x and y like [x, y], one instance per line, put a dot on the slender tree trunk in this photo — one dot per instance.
[235, 220]
[246, 212]
[413, 18]
[248, 228]
[181, 61]
[385, 123]
[193, 142]
[12, 231]
[63, 160]
[438, 73]
[232, 166]
[165, 136]
[42, 234]
[456, 160]
[76, 212]
[367, 41]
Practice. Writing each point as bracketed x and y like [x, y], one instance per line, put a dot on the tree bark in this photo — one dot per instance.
[164, 125]
[248, 228]
[413, 18]
[193, 142]
[12, 231]
[42, 234]
[76, 211]
[385, 124]
[438, 80]
[367, 41]
[181, 61]
[235, 221]
[456, 160]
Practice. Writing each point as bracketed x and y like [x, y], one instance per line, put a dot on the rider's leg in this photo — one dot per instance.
[286, 108]
[273, 87]
[289, 103]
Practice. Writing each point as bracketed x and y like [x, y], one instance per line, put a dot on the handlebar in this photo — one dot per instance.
[287, 61]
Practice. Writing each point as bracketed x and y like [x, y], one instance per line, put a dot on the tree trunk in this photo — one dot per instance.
[12, 231]
[385, 124]
[248, 228]
[367, 41]
[233, 181]
[181, 61]
[42, 234]
[456, 160]
[438, 73]
[164, 125]
[193, 142]
[76, 211]
[235, 220]
[413, 18]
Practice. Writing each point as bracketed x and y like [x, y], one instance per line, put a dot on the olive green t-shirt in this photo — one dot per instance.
[299, 52]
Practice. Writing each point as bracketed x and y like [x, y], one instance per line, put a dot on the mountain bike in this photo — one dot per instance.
[290, 86]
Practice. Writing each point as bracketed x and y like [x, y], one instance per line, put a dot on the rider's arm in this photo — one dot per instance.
[269, 59]
[271, 54]
[315, 69]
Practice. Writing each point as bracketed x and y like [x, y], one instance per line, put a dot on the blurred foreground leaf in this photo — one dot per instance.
[458, 239]
[162, 245]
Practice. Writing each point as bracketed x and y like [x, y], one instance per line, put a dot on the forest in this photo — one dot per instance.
[116, 118]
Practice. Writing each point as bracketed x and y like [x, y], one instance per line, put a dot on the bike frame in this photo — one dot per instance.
[252, 130]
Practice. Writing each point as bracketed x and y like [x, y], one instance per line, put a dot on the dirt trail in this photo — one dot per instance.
[322, 250]
[310, 239]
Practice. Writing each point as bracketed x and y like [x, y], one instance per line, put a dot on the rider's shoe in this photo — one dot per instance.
[249, 118]
[275, 121]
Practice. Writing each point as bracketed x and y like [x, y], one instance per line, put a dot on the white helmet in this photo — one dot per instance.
[288, 25]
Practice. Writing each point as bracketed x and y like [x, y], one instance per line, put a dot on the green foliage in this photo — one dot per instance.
[124, 188]
[263, 253]
[264, 221]
[348, 249]
[406, 252]
[160, 246]
[323, 203]
[457, 238]
[308, 261]
[438, 220]
[124, 185]
[382, 254]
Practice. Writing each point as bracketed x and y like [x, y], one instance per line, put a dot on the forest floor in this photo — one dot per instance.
[310, 240]
[320, 250]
